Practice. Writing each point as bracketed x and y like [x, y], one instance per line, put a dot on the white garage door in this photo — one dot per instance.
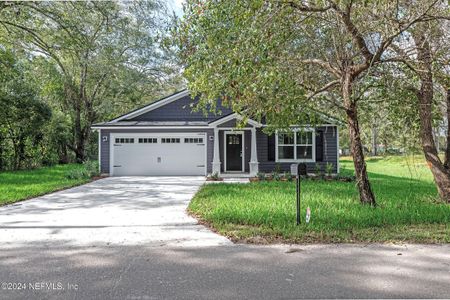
[158, 154]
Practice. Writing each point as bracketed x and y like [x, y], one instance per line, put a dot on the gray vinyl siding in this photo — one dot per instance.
[330, 152]
[330, 148]
[105, 146]
[180, 110]
[104, 154]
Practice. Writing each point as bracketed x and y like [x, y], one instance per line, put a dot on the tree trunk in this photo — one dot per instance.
[366, 195]
[374, 141]
[15, 163]
[79, 140]
[440, 173]
[74, 103]
[436, 139]
[386, 145]
[62, 153]
[21, 153]
[425, 96]
[1, 152]
[447, 148]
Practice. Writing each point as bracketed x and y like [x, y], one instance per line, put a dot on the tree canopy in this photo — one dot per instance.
[277, 59]
[90, 60]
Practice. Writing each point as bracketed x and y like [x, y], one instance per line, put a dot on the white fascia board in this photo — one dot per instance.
[223, 120]
[152, 106]
[150, 127]
[234, 116]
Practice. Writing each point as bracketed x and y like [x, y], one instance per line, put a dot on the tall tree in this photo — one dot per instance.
[424, 51]
[95, 46]
[23, 115]
[278, 58]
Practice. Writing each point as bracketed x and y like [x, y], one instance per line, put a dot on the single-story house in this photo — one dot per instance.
[167, 138]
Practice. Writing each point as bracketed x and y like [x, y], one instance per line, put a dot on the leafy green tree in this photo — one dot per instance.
[23, 116]
[278, 59]
[390, 115]
[423, 52]
[103, 53]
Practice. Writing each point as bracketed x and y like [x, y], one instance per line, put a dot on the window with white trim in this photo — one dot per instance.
[295, 146]
[148, 140]
[286, 146]
[304, 145]
[124, 141]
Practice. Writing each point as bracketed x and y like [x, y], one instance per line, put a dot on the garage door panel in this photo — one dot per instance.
[160, 158]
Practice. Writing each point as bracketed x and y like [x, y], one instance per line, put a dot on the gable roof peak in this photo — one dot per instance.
[152, 106]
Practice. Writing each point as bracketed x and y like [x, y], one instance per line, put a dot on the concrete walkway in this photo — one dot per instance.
[116, 210]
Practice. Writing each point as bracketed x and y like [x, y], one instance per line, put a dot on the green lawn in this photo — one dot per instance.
[264, 212]
[20, 185]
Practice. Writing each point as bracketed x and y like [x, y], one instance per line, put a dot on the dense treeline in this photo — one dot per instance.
[67, 65]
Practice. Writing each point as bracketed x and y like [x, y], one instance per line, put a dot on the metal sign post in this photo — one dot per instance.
[298, 170]
[299, 220]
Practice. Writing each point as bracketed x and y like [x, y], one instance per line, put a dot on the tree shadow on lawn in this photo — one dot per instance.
[335, 205]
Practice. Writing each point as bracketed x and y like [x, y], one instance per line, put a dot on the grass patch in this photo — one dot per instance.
[25, 184]
[264, 212]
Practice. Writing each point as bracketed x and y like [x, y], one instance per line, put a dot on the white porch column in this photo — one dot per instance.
[216, 157]
[254, 164]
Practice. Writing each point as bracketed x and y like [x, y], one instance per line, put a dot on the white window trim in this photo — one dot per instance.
[294, 131]
[225, 149]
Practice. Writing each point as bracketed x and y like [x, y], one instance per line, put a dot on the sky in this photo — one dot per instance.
[177, 6]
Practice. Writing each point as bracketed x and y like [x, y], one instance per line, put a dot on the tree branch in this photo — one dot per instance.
[304, 7]
[39, 42]
[354, 32]
[325, 88]
[326, 65]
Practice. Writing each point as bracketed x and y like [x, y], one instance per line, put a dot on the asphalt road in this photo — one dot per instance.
[130, 238]
[225, 272]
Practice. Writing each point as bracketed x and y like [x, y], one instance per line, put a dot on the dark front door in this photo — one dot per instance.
[234, 152]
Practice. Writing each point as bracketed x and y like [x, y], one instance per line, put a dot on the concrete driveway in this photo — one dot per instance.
[116, 210]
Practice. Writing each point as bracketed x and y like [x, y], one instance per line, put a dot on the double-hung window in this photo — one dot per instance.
[297, 145]
[286, 146]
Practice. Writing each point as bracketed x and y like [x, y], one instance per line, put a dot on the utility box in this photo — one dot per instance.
[294, 169]
[298, 169]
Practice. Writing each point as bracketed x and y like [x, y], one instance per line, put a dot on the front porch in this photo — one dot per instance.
[235, 149]
[235, 175]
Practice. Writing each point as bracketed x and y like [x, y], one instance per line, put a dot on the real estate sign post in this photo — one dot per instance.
[297, 170]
